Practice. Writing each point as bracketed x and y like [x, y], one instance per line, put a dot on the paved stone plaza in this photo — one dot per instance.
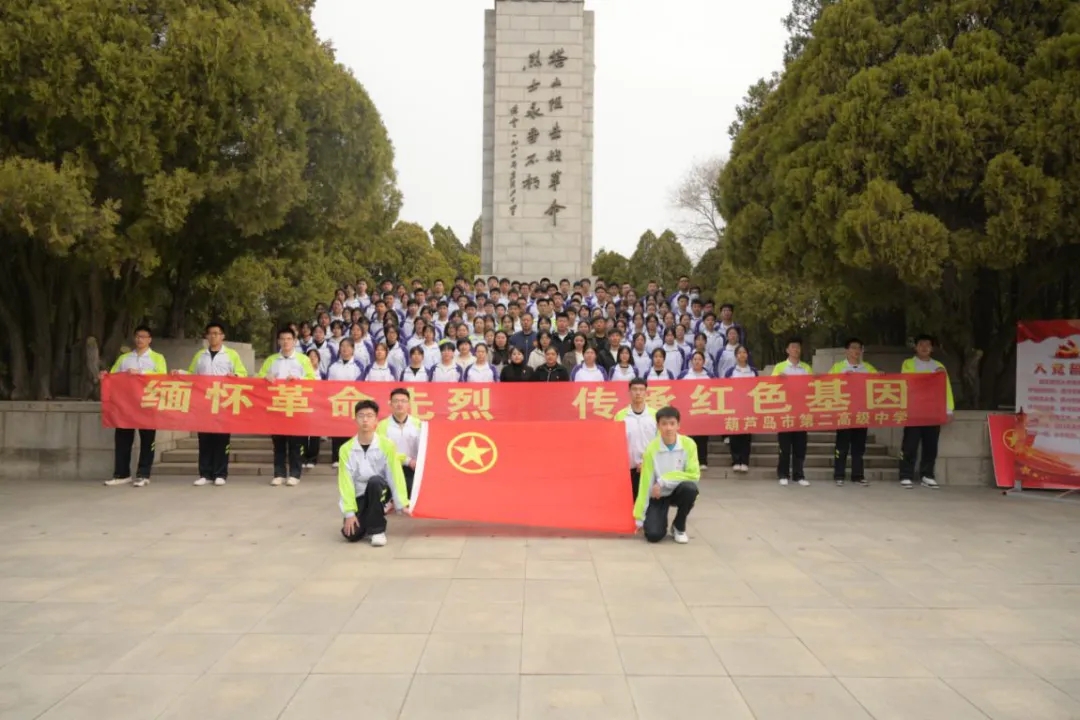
[789, 604]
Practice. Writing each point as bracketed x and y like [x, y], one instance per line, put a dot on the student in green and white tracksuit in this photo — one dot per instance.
[404, 430]
[369, 475]
[927, 435]
[792, 443]
[220, 361]
[669, 476]
[640, 421]
[851, 439]
[143, 361]
[287, 364]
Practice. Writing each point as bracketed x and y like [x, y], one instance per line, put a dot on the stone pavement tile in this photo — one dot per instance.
[716, 592]
[15, 644]
[478, 568]
[962, 659]
[74, 654]
[643, 570]
[559, 570]
[480, 590]
[393, 617]
[1071, 687]
[23, 697]
[903, 699]
[371, 653]
[561, 619]
[102, 590]
[471, 654]
[767, 657]
[557, 549]
[914, 623]
[1017, 698]
[462, 697]
[576, 697]
[798, 593]
[688, 698]
[622, 592]
[329, 591]
[419, 568]
[950, 595]
[479, 617]
[421, 547]
[176, 591]
[1048, 660]
[799, 698]
[837, 572]
[272, 654]
[371, 697]
[826, 622]
[218, 617]
[547, 654]
[652, 618]
[217, 696]
[998, 624]
[682, 656]
[174, 655]
[322, 618]
[872, 594]
[408, 590]
[740, 622]
[129, 617]
[119, 697]
[30, 589]
[562, 591]
[10, 607]
[851, 657]
[48, 617]
[252, 590]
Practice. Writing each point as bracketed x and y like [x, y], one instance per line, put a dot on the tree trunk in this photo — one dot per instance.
[20, 369]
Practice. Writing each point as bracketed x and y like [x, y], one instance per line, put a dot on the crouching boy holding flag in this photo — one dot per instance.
[669, 476]
[369, 474]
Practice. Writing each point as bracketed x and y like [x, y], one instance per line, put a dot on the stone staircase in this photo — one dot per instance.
[252, 455]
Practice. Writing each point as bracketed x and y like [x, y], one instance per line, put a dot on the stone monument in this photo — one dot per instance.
[538, 140]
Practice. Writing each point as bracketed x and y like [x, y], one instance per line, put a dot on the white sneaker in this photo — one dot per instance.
[680, 536]
[141, 482]
[906, 484]
[745, 468]
[200, 482]
[783, 481]
[930, 483]
[704, 467]
[308, 466]
[277, 481]
[292, 482]
[118, 481]
[804, 482]
[839, 483]
[378, 539]
[727, 441]
[334, 465]
[219, 481]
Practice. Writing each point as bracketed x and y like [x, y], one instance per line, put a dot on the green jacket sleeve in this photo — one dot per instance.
[908, 366]
[309, 370]
[192, 366]
[645, 483]
[345, 483]
[237, 363]
[778, 369]
[116, 365]
[398, 488]
[692, 471]
[265, 369]
[160, 367]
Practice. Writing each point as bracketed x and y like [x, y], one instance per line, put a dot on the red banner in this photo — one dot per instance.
[1017, 455]
[764, 404]
[501, 473]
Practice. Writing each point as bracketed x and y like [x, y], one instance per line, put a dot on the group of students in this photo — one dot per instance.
[509, 332]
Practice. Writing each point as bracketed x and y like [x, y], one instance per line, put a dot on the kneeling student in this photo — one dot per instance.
[369, 474]
[669, 476]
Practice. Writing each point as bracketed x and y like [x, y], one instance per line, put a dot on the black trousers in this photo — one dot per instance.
[369, 510]
[409, 475]
[853, 440]
[683, 498]
[287, 447]
[311, 447]
[335, 447]
[927, 436]
[792, 455]
[214, 455]
[702, 442]
[739, 445]
[124, 440]
[635, 480]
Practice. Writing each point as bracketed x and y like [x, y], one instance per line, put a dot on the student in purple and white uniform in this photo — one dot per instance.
[739, 445]
[697, 371]
[415, 371]
[588, 370]
[380, 369]
[658, 370]
[623, 369]
[447, 369]
[481, 370]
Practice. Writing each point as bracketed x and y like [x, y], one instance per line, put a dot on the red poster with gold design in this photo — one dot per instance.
[505, 473]
[311, 407]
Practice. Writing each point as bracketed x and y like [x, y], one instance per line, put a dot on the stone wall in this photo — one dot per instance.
[62, 440]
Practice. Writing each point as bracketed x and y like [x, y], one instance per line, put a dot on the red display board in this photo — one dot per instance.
[505, 473]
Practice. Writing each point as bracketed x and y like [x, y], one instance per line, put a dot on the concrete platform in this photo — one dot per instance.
[176, 602]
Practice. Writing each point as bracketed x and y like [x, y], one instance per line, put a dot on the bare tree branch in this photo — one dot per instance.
[696, 198]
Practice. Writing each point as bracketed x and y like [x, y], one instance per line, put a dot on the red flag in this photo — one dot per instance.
[521, 473]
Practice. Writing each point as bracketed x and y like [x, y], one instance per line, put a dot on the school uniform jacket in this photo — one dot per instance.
[666, 468]
[224, 362]
[356, 466]
[149, 363]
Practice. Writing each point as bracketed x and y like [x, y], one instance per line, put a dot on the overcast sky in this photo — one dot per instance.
[668, 76]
